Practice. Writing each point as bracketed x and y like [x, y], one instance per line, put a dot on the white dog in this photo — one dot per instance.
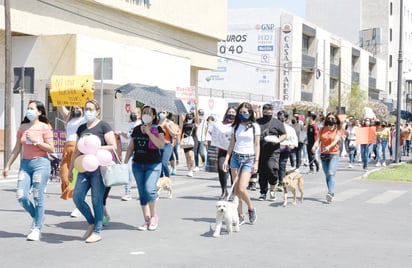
[227, 212]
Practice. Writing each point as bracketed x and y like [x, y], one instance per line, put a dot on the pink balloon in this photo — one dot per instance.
[81, 146]
[92, 144]
[104, 156]
[90, 162]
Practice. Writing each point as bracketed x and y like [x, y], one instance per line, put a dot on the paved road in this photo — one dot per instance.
[367, 225]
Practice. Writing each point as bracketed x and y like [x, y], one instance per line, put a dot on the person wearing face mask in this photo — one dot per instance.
[296, 154]
[385, 134]
[34, 142]
[351, 140]
[243, 152]
[228, 119]
[134, 120]
[366, 148]
[73, 118]
[328, 142]
[286, 146]
[269, 152]
[146, 142]
[189, 128]
[169, 132]
[92, 180]
[201, 132]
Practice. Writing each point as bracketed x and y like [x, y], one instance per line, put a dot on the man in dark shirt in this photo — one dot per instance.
[272, 134]
[312, 135]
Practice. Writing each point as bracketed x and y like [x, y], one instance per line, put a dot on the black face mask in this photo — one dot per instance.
[231, 117]
[76, 113]
[267, 116]
[329, 122]
[133, 117]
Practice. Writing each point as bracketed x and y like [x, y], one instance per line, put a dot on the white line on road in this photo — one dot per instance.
[386, 197]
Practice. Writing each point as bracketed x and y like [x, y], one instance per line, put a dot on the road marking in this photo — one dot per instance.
[386, 197]
[137, 253]
[345, 195]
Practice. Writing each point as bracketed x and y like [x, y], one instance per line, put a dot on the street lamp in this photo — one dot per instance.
[399, 95]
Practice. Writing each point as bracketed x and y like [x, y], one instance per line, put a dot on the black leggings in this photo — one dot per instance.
[223, 176]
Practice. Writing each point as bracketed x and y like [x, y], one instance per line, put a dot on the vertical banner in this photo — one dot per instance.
[188, 96]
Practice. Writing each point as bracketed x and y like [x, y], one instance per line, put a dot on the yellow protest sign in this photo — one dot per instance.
[71, 90]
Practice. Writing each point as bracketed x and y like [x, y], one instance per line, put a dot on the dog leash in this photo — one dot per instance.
[234, 182]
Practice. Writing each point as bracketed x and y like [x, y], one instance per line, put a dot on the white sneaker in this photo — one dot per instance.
[272, 196]
[196, 169]
[190, 174]
[350, 166]
[378, 164]
[126, 197]
[75, 213]
[384, 164]
[34, 235]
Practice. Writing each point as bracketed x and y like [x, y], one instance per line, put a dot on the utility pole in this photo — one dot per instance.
[7, 83]
[339, 86]
[399, 95]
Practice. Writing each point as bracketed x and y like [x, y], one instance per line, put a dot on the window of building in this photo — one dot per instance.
[390, 88]
[305, 44]
[390, 8]
[334, 52]
[23, 79]
[390, 61]
[390, 35]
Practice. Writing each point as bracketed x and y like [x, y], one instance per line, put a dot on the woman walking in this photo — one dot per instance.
[147, 140]
[34, 142]
[328, 142]
[92, 179]
[243, 153]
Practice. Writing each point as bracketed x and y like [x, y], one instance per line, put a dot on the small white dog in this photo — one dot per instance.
[227, 212]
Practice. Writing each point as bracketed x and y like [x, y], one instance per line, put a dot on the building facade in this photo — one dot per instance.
[272, 55]
[153, 42]
[375, 26]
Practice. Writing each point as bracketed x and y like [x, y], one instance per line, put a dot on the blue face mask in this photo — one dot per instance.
[162, 116]
[31, 114]
[89, 115]
[244, 117]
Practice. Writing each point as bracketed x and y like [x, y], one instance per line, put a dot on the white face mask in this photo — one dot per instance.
[147, 119]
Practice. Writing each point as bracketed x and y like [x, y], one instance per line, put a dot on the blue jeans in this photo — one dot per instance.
[352, 151]
[199, 150]
[243, 162]
[365, 154]
[85, 181]
[34, 173]
[384, 144]
[329, 168]
[146, 176]
[166, 153]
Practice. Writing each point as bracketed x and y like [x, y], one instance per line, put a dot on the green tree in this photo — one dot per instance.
[356, 101]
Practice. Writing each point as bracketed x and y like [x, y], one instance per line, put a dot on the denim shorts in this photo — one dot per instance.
[243, 162]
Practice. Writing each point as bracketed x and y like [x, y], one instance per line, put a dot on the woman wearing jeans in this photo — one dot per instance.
[34, 141]
[243, 152]
[328, 141]
[147, 140]
[92, 179]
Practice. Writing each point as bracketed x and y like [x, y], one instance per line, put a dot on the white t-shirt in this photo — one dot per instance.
[245, 142]
[72, 126]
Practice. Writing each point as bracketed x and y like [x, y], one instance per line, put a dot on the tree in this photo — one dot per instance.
[357, 100]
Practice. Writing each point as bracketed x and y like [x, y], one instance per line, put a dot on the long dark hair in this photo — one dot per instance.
[153, 110]
[225, 118]
[42, 109]
[249, 107]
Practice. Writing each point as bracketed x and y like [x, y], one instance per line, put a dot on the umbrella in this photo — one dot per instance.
[152, 96]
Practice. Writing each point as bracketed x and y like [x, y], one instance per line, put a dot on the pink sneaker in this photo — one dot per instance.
[144, 226]
[153, 223]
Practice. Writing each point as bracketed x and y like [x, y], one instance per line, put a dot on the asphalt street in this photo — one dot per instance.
[367, 225]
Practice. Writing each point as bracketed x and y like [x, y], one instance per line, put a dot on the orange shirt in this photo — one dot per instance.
[39, 132]
[327, 137]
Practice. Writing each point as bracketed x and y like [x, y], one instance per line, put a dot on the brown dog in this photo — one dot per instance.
[293, 181]
[164, 183]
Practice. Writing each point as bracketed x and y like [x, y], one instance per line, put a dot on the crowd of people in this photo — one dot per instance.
[257, 146]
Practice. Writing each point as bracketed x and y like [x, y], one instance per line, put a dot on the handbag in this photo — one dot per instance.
[116, 173]
[187, 141]
[326, 157]
[352, 144]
